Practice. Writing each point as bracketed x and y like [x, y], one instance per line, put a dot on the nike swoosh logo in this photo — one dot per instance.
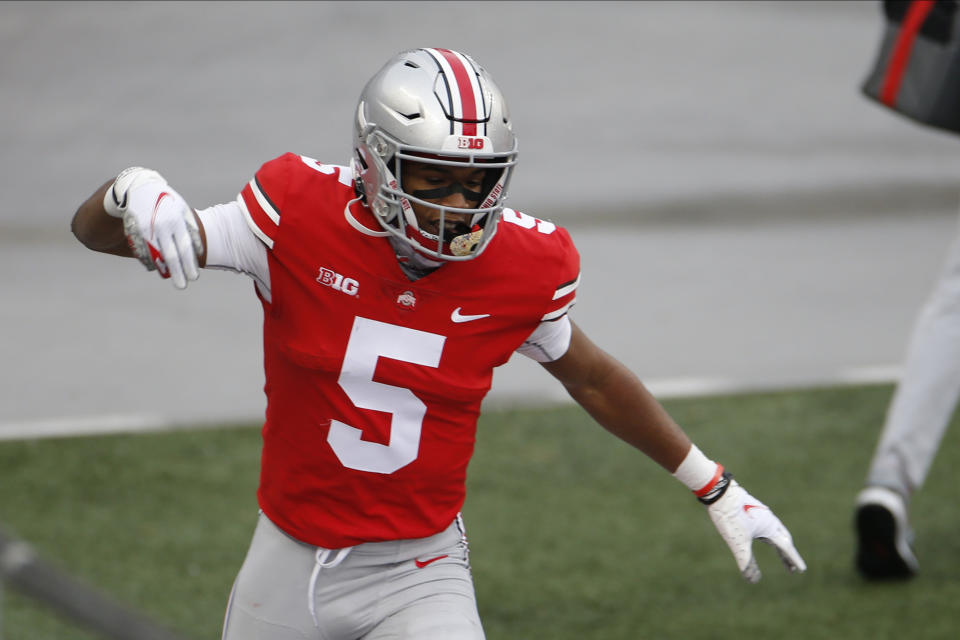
[456, 316]
[422, 563]
[116, 201]
[747, 507]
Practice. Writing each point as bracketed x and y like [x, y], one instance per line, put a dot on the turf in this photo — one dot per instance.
[573, 534]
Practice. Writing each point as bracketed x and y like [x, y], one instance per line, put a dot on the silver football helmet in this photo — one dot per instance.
[439, 107]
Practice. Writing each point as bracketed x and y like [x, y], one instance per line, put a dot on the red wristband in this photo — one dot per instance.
[705, 489]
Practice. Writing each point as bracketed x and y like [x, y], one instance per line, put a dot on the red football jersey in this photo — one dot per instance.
[374, 382]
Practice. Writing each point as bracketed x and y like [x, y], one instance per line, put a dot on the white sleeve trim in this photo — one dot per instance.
[233, 245]
[553, 315]
[549, 341]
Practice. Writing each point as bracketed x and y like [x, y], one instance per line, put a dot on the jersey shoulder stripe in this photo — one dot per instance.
[274, 188]
[566, 295]
[556, 314]
[254, 225]
[567, 288]
[264, 201]
[261, 214]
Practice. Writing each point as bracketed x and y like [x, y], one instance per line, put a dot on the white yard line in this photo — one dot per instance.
[662, 388]
[82, 426]
[692, 387]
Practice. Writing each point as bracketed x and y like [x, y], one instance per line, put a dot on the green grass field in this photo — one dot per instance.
[573, 534]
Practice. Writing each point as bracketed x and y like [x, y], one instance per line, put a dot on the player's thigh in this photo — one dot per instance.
[436, 602]
[269, 597]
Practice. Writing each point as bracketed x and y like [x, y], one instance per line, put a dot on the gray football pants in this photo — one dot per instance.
[288, 590]
[926, 396]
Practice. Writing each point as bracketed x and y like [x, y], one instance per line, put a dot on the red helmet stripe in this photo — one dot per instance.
[903, 47]
[464, 89]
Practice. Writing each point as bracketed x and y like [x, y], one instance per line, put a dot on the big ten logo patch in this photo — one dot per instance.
[470, 143]
[332, 279]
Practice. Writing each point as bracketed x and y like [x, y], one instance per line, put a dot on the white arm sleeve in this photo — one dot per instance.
[549, 341]
[231, 244]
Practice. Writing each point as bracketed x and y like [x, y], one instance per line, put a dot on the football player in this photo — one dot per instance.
[391, 288]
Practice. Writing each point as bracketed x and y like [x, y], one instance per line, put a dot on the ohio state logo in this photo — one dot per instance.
[332, 279]
[407, 300]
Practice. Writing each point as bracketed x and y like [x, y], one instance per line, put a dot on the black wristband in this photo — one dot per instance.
[718, 489]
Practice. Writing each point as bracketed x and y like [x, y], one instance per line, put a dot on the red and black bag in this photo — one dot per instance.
[917, 71]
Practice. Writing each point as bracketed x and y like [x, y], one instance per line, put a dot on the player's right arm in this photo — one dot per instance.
[97, 230]
[139, 215]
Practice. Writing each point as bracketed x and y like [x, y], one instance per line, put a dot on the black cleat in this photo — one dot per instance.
[884, 536]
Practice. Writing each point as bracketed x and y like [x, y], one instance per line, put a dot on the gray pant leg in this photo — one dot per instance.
[431, 594]
[406, 589]
[445, 608]
[927, 393]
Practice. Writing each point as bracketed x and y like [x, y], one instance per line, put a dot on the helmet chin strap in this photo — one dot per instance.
[356, 223]
[413, 264]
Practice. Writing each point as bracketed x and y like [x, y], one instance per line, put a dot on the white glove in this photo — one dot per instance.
[740, 518]
[160, 227]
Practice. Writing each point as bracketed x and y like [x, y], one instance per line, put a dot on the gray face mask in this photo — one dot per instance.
[413, 264]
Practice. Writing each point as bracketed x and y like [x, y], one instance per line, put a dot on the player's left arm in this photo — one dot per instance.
[618, 401]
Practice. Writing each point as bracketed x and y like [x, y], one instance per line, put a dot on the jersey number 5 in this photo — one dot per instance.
[370, 340]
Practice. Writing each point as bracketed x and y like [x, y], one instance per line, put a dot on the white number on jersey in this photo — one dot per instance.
[369, 340]
[345, 176]
[528, 222]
